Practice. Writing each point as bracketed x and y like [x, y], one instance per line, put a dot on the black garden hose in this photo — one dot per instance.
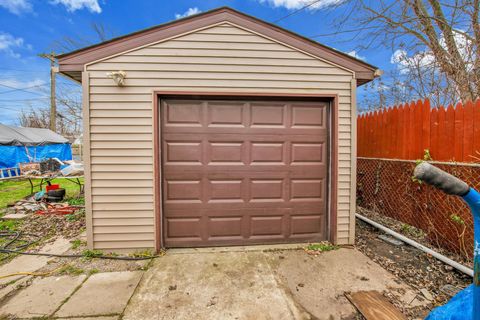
[17, 236]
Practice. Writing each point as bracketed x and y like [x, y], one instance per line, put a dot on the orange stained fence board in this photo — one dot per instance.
[468, 131]
[434, 133]
[458, 137]
[406, 131]
[476, 132]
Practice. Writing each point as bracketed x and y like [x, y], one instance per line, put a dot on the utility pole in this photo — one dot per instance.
[53, 101]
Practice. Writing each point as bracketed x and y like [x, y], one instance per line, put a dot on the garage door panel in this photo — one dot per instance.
[306, 153]
[307, 189]
[265, 205]
[244, 130]
[186, 191]
[226, 152]
[237, 228]
[225, 227]
[268, 153]
[226, 114]
[185, 228]
[226, 190]
[243, 172]
[310, 116]
[306, 225]
[267, 190]
[232, 170]
[238, 137]
[268, 227]
[183, 114]
[186, 152]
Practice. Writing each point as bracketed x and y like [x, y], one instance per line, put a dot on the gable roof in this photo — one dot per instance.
[72, 64]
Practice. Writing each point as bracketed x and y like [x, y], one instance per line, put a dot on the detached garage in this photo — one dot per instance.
[218, 129]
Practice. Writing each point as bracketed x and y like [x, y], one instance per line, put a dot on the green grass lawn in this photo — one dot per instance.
[13, 190]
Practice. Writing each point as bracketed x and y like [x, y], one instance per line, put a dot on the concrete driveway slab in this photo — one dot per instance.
[270, 284]
[228, 285]
[92, 318]
[319, 283]
[102, 294]
[42, 297]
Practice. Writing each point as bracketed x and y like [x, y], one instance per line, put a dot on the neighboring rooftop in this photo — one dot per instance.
[20, 136]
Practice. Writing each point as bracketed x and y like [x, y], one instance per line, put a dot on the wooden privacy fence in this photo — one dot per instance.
[406, 131]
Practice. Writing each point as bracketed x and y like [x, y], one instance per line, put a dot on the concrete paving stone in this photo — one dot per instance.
[42, 297]
[102, 294]
[25, 263]
[9, 289]
[59, 246]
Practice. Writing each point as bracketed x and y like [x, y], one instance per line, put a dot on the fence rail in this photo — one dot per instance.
[406, 131]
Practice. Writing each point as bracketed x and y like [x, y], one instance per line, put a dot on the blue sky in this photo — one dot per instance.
[30, 27]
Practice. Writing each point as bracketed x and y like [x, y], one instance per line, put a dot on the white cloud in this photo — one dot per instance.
[403, 61]
[74, 5]
[8, 43]
[16, 6]
[297, 4]
[189, 12]
[426, 58]
[355, 54]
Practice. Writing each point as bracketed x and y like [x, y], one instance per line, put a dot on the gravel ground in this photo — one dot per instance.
[414, 234]
[51, 226]
[85, 265]
[416, 268]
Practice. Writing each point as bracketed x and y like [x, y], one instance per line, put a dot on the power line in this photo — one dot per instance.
[21, 70]
[21, 89]
[23, 100]
[297, 11]
[342, 31]
[7, 108]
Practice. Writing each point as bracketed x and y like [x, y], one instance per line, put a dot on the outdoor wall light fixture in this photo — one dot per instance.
[118, 77]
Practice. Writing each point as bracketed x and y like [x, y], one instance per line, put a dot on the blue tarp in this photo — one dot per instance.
[460, 307]
[11, 156]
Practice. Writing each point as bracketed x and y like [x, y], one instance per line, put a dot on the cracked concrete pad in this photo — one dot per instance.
[42, 297]
[227, 285]
[32, 263]
[102, 294]
[11, 288]
[92, 318]
[318, 283]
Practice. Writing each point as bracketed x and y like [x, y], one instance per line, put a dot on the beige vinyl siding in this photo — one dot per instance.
[223, 58]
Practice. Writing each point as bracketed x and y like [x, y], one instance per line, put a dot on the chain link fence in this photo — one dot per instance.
[387, 187]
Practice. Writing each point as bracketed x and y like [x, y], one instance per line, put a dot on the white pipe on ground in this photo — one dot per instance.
[450, 262]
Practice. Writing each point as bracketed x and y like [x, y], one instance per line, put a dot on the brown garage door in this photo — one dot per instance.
[244, 172]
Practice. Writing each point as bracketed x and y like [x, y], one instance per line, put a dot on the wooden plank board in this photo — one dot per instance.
[374, 306]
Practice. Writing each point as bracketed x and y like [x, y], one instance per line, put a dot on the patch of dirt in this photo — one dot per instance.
[412, 233]
[51, 226]
[86, 265]
[74, 266]
[416, 268]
